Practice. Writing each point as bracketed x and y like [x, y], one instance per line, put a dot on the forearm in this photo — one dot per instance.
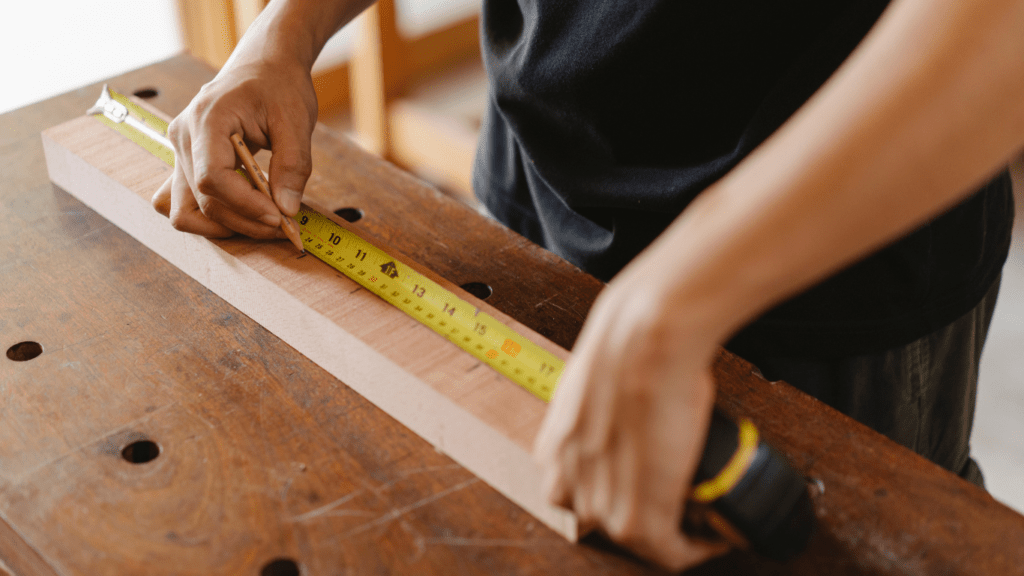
[296, 30]
[927, 108]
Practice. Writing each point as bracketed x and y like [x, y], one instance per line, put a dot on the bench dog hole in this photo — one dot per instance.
[280, 567]
[140, 451]
[23, 351]
[350, 214]
[146, 93]
[478, 289]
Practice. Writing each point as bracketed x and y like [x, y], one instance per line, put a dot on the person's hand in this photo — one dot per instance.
[273, 105]
[623, 434]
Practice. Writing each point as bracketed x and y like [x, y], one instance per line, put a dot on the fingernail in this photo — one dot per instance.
[289, 200]
[271, 220]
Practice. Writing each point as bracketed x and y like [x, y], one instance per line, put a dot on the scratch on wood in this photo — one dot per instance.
[94, 339]
[399, 512]
[460, 541]
[418, 540]
[406, 473]
[326, 508]
[581, 316]
[134, 424]
[90, 232]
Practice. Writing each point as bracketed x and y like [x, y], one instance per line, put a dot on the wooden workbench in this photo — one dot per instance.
[269, 466]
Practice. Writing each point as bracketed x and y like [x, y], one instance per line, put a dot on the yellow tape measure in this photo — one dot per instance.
[473, 330]
[436, 307]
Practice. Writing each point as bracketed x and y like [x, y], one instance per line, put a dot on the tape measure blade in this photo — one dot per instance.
[468, 316]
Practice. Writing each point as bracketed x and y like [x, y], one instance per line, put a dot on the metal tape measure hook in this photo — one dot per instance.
[119, 113]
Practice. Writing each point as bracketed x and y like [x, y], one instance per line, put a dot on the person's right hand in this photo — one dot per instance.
[273, 106]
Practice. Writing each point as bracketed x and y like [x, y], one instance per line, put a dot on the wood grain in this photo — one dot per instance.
[301, 467]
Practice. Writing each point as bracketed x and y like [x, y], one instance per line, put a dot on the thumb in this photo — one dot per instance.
[290, 166]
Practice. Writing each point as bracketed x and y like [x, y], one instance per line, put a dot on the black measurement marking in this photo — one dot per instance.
[480, 329]
[420, 291]
[360, 255]
[449, 311]
[334, 239]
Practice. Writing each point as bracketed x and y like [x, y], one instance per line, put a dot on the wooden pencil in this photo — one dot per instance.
[288, 225]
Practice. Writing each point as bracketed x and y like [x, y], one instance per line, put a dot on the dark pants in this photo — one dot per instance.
[920, 395]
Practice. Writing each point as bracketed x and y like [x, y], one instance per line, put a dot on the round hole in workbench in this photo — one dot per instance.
[146, 93]
[280, 567]
[23, 351]
[350, 214]
[478, 289]
[140, 451]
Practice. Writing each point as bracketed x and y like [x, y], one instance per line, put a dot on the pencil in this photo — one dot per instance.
[289, 226]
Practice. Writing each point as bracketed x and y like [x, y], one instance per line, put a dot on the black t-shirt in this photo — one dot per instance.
[607, 117]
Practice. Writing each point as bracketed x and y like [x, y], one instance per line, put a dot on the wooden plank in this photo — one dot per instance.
[246, 12]
[332, 90]
[441, 148]
[209, 29]
[374, 62]
[460, 405]
[435, 53]
[435, 126]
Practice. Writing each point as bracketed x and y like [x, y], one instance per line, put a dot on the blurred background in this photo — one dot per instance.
[405, 81]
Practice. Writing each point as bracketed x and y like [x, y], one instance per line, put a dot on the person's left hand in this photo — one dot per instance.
[623, 434]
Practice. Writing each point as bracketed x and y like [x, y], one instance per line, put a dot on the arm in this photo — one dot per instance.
[925, 110]
[265, 92]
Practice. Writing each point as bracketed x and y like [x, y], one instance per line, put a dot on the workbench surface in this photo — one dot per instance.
[246, 458]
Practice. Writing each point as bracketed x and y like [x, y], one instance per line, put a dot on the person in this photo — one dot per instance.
[818, 186]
